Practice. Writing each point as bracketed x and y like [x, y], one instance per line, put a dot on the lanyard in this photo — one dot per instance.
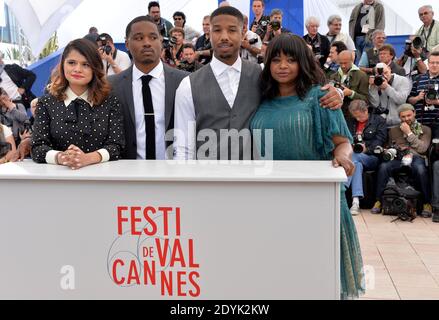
[429, 34]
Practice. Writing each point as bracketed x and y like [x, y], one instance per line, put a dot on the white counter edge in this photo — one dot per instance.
[168, 171]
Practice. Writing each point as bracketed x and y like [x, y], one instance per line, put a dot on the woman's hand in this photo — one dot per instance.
[346, 163]
[24, 149]
[75, 158]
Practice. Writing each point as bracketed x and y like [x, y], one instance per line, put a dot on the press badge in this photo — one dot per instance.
[365, 28]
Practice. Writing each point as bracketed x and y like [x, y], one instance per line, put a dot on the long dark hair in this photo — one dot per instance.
[99, 87]
[310, 72]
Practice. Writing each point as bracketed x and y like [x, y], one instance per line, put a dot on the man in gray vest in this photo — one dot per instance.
[215, 104]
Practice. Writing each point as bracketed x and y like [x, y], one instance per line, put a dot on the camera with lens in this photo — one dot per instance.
[275, 25]
[27, 127]
[379, 79]
[337, 84]
[169, 42]
[432, 92]
[104, 45]
[400, 199]
[262, 28]
[187, 66]
[392, 153]
[253, 41]
[358, 143]
[409, 44]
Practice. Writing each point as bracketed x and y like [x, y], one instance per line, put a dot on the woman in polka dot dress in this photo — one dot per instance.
[79, 123]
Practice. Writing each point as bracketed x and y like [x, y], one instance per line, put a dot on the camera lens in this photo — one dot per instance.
[379, 80]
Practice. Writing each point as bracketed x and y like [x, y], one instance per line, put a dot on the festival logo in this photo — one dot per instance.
[150, 251]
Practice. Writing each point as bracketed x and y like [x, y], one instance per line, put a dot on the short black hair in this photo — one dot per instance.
[228, 11]
[153, 4]
[179, 14]
[339, 46]
[136, 20]
[189, 46]
[388, 47]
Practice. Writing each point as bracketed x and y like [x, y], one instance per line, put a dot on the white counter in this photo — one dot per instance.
[279, 171]
[233, 231]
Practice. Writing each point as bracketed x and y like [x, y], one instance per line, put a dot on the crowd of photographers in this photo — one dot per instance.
[390, 103]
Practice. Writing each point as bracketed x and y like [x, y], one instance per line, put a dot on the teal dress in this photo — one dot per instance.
[302, 130]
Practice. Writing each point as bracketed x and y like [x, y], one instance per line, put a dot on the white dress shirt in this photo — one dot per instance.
[158, 89]
[7, 132]
[122, 60]
[228, 78]
[51, 156]
[9, 86]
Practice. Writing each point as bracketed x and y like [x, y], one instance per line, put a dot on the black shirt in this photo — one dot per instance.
[90, 128]
[320, 46]
[359, 24]
[262, 25]
[202, 44]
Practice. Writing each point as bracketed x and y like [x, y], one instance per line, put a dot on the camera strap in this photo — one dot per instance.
[429, 34]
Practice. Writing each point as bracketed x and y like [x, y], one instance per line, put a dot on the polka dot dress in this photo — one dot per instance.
[90, 128]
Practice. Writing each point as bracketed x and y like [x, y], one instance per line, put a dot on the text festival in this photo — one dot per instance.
[165, 252]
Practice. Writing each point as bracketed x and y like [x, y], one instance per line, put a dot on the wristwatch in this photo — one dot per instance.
[418, 59]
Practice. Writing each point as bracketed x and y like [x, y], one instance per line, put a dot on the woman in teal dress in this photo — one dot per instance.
[303, 130]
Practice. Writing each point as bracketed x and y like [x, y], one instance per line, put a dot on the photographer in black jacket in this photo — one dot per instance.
[369, 132]
[17, 82]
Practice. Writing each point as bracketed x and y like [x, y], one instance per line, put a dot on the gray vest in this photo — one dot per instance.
[228, 135]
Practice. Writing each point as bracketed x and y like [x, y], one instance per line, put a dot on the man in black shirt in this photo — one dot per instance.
[319, 43]
[425, 95]
[366, 17]
[260, 22]
[203, 46]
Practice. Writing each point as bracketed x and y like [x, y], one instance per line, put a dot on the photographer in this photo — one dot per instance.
[12, 115]
[369, 132]
[17, 82]
[172, 52]
[260, 22]
[331, 66]
[319, 43]
[386, 55]
[429, 32]
[180, 21]
[334, 34]
[203, 47]
[370, 57]
[425, 96]
[353, 81]
[163, 25]
[251, 44]
[387, 92]
[114, 61]
[412, 141]
[274, 27]
[189, 62]
[412, 60]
